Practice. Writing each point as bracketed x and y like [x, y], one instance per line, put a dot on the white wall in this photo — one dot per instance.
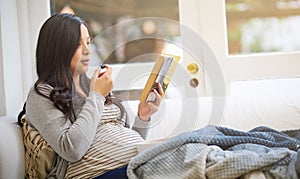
[11, 61]
[20, 21]
[2, 99]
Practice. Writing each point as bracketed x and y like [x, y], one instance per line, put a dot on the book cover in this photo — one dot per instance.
[162, 72]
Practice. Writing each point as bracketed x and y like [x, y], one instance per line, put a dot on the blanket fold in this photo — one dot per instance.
[220, 152]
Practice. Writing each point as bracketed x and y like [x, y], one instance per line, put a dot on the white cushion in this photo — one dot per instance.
[280, 112]
[11, 150]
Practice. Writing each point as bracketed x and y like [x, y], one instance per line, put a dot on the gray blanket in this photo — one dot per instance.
[219, 152]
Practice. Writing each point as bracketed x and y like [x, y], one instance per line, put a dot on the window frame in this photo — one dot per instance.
[235, 67]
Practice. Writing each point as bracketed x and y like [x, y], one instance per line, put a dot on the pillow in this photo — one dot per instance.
[39, 156]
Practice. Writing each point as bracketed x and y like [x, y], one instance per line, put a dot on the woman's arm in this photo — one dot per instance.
[145, 111]
[70, 141]
[142, 127]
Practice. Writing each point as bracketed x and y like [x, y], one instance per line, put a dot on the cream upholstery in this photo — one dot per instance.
[11, 150]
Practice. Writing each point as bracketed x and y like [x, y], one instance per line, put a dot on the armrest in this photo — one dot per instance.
[11, 150]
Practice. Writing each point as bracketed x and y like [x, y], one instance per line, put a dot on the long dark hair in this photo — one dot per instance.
[58, 40]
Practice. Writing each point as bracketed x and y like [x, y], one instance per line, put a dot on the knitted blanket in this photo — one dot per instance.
[220, 152]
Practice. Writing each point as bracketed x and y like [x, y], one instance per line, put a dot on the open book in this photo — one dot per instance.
[162, 72]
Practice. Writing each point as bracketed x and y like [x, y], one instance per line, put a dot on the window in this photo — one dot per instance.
[263, 26]
[125, 29]
[210, 22]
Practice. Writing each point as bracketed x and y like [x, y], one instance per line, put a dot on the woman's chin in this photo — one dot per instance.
[82, 70]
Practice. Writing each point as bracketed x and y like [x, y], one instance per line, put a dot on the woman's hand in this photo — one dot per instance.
[103, 84]
[146, 109]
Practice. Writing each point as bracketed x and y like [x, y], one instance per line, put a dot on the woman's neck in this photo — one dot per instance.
[78, 86]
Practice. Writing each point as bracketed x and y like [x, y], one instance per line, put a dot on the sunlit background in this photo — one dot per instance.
[253, 26]
[100, 15]
[256, 26]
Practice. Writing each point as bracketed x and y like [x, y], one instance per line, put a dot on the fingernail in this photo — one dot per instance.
[102, 66]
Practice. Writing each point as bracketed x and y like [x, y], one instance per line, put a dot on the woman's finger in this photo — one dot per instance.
[108, 70]
[157, 98]
[160, 89]
[96, 72]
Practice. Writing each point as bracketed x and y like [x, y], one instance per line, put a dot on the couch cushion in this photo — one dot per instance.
[281, 112]
[12, 149]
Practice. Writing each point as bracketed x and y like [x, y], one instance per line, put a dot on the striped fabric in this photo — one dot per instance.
[113, 147]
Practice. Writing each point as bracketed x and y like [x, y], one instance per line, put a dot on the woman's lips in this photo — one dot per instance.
[85, 62]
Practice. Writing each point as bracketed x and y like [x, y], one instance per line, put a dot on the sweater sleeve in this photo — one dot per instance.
[70, 141]
[142, 127]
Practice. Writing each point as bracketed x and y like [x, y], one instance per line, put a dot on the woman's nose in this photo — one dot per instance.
[86, 50]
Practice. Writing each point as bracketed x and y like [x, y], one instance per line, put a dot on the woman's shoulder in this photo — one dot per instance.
[34, 95]
[39, 106]
[34, 99]
[44, 91]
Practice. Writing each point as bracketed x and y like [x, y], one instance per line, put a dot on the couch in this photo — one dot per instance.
[280, 112]
[11, 150]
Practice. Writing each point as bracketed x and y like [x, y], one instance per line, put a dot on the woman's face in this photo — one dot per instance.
[81, 57]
